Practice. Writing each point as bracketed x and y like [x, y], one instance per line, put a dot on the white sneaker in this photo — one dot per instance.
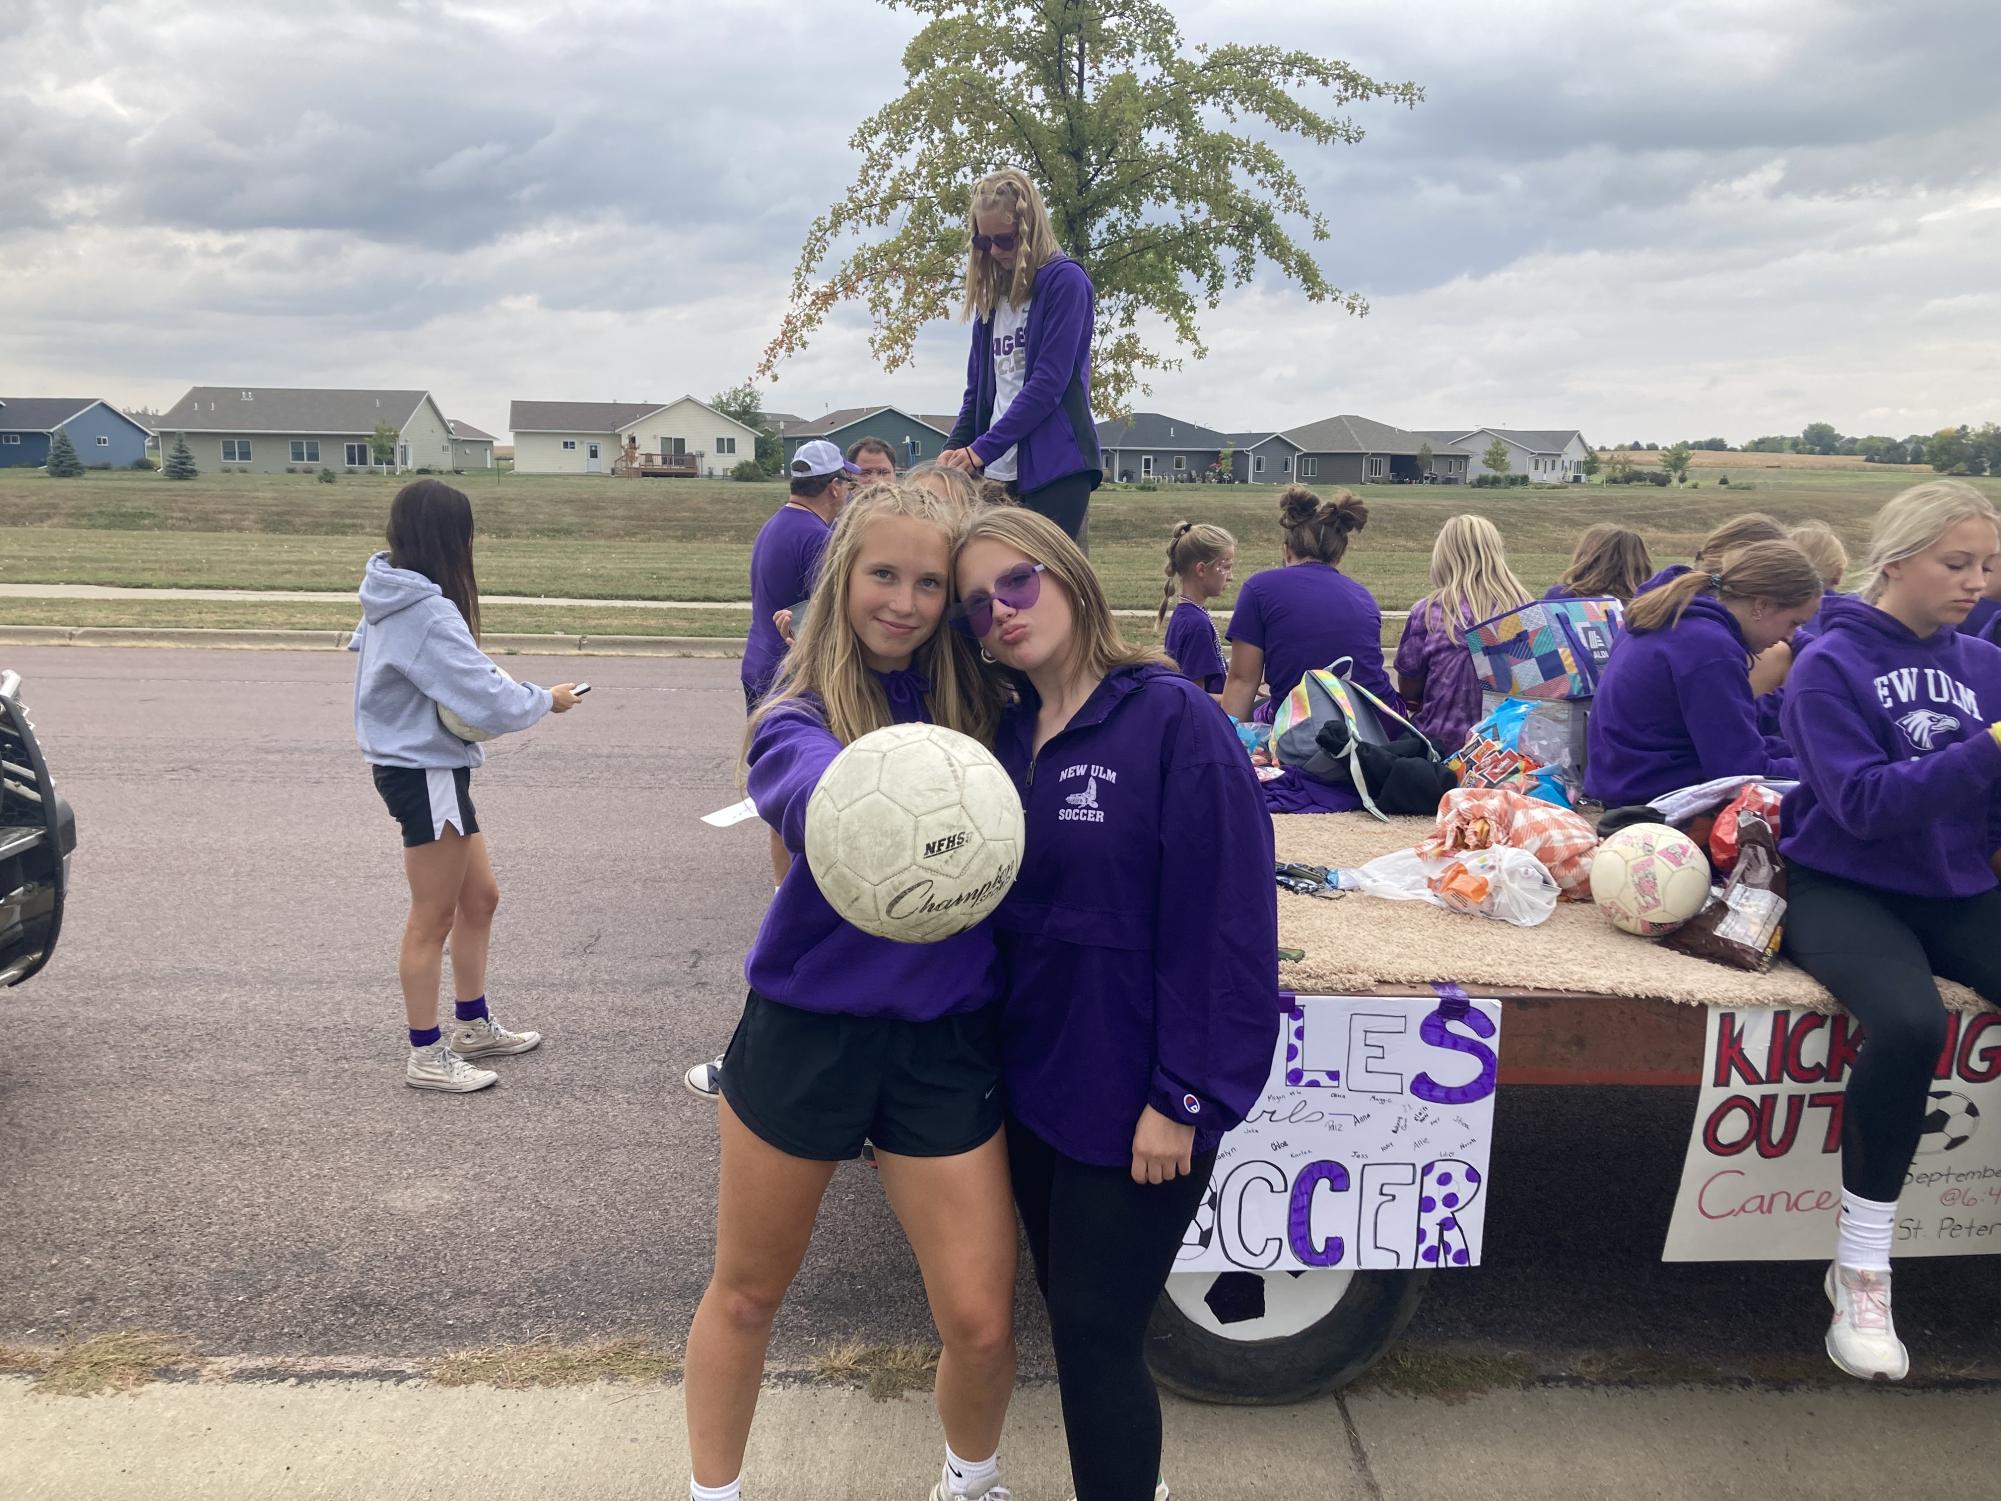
[1861, 1339]
[481, 1038]
[705, 1079]
[438, 1067]
[943, 1491]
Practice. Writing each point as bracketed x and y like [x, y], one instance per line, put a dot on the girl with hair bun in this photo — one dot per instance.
[1675, 706]
[1890, 844]
[1199, 560]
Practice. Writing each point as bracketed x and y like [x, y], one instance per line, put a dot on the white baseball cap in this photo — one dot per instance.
[817, 458]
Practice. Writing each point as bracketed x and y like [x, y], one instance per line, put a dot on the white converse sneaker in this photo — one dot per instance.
[943, 1491]
[1861, 1339]
[705, 1079]
[485, 1036]
[438, 1067]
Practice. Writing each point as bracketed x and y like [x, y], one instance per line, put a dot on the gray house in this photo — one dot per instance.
[1451, 459]
[1262, 458]
[103, 436]
[1155, 446]
[914, 438]
[1344, 450]
[471, 448]
[280, 430]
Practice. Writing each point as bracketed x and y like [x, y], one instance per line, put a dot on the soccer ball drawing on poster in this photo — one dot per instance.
[914, 833]
[1649, 879]
[1950, 1121]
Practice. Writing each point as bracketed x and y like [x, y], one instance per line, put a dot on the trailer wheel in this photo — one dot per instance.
[1257, 1338]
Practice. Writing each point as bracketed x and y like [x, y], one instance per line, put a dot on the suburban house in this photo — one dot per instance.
[104, 437]
[915, 438]
[1152, 445]
[1552, 457]
[471, 448]
[277, 429]
[1344, 450]
[685, 438]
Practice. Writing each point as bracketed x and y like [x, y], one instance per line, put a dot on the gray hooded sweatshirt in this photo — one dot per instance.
[417, 653]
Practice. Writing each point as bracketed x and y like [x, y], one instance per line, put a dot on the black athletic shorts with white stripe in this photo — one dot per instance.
[425, 798]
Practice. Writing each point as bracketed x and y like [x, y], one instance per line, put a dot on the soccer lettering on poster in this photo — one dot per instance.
[1369, 1148]
[1762, 1178]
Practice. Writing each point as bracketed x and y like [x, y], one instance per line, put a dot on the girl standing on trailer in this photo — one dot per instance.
[1200, 558]
[1142, 999]
[1610, 561]
[847, 1037]
[1470, 582]
[419, 646]
[1890, 843]
[1674, 707]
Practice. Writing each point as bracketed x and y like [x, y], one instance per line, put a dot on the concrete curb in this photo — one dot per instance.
[246, 640]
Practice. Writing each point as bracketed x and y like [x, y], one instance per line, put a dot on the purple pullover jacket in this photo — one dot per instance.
[1900, 775]
[805, 955]
[1674, 708]
[1140, 940]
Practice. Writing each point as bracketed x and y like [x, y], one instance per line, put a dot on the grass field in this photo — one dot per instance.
[595, 538]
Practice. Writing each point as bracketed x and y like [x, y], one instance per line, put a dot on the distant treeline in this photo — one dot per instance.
[1950, 450]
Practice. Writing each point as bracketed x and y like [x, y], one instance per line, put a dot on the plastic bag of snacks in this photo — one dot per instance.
[1480, 818]
[1744, 926]
[1757, 800]
[1507, 884]
[1493, 756]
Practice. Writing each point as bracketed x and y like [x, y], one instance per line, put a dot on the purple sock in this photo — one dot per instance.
[471, 1011]
[423, 1037]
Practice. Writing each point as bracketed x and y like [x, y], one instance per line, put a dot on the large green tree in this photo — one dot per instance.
[1496, 457]
[1675, 461]
[1157, 161]
[745, 404]
[63, 462]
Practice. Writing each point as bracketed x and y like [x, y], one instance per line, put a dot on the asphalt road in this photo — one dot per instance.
[204, 1129]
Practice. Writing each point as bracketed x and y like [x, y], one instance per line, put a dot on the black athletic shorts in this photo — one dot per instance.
[816, 1084]
[425, 799]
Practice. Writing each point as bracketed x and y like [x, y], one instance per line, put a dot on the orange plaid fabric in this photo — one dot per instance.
[1477, 818]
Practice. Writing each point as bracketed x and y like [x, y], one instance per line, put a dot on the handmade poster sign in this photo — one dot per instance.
[1369, 1148]
[1762, 1178]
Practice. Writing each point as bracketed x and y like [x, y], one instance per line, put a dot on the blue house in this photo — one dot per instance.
[105, 437]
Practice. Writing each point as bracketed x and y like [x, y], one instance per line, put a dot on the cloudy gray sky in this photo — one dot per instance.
[1701, 217]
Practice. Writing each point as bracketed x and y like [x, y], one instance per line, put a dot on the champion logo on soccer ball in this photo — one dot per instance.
[1192, 1105]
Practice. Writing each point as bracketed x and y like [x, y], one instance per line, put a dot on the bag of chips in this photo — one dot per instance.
[1493, 817]
[1756, 799]
[1743, 927]
[1494, 756]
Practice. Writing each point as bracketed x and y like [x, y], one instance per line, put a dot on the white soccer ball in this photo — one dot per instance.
[1650, 879]
[914, 833]
[460, 728]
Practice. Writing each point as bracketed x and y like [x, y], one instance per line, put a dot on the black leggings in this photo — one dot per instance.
[1877, 951]
[1103, 1246]
[1063, 501]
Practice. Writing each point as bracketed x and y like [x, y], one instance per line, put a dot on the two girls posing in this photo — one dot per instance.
[1076, 1058]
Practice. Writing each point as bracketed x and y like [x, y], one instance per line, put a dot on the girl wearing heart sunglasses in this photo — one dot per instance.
[1026, 418]
[1141, 998]
[846, 1036]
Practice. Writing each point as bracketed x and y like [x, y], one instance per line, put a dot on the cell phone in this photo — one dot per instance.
[581, 689]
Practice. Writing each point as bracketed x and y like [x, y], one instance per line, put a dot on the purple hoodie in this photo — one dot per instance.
[806, 956]
[1674, 708]
[1980, 617]
[1308, 615]
[1900, 777]
[1197, 649]
[1667, 575]
[1049, 423]
[783, 562]
[1140, 940]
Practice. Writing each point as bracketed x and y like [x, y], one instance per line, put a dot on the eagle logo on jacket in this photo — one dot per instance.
[1926, 728]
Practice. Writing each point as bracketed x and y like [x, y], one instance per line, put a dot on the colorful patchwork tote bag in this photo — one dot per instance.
[1553, 648]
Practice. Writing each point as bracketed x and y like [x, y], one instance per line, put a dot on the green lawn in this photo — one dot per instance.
[690, 540]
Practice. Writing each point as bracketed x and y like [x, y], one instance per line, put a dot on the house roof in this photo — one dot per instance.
[840, 417]
[465, 432]
[41, 414]
[1450, 436]
[1540, 440]
[1160, 431]
[778, 422]
[576, 416]
[943, 421]
[1351, 434]
[280, 409]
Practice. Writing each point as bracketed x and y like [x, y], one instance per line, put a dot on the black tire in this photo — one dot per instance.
[1196, 1362]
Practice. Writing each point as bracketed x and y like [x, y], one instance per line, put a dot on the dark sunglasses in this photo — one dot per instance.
[1003, 243]
[1019, 588]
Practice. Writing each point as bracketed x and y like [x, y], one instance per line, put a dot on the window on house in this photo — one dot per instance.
[1257, 463]
[569, 445]
[1181, 461]
[252, 396]
[916, 447]
[1285, 465]
[725, 446]
[357, 455]
[1309, 468]
[1375, 464]
[305, 450]
[102, 441]
[11, 440]
[236, 450]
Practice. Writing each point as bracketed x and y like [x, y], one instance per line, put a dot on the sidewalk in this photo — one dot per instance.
[387, 1441]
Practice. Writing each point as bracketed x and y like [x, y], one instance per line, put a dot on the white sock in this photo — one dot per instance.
[731, 1492]
[1866, 1228]
[970, 1478]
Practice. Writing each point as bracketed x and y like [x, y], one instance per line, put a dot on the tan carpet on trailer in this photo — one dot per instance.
[1361, 942]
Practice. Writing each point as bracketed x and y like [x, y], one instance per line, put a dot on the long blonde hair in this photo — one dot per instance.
[1912, 521]
[987, 281]
[1193, 544]
[1470, 577]
[956, 484]
[1777, 571]
[1823, 549]
[1096, 645]
[826, 659]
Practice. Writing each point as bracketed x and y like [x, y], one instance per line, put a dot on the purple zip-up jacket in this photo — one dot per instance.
[1049, 423]
[1140, 941]
[1674, 708]
[1900, 774]
[805, 955]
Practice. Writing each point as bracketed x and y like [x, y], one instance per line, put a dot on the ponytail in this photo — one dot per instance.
[1777, 571]
[1193, 544]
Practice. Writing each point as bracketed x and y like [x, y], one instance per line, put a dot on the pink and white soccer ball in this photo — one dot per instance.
[1649, 879]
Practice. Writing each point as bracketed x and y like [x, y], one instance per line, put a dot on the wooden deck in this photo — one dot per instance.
[632, 464]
